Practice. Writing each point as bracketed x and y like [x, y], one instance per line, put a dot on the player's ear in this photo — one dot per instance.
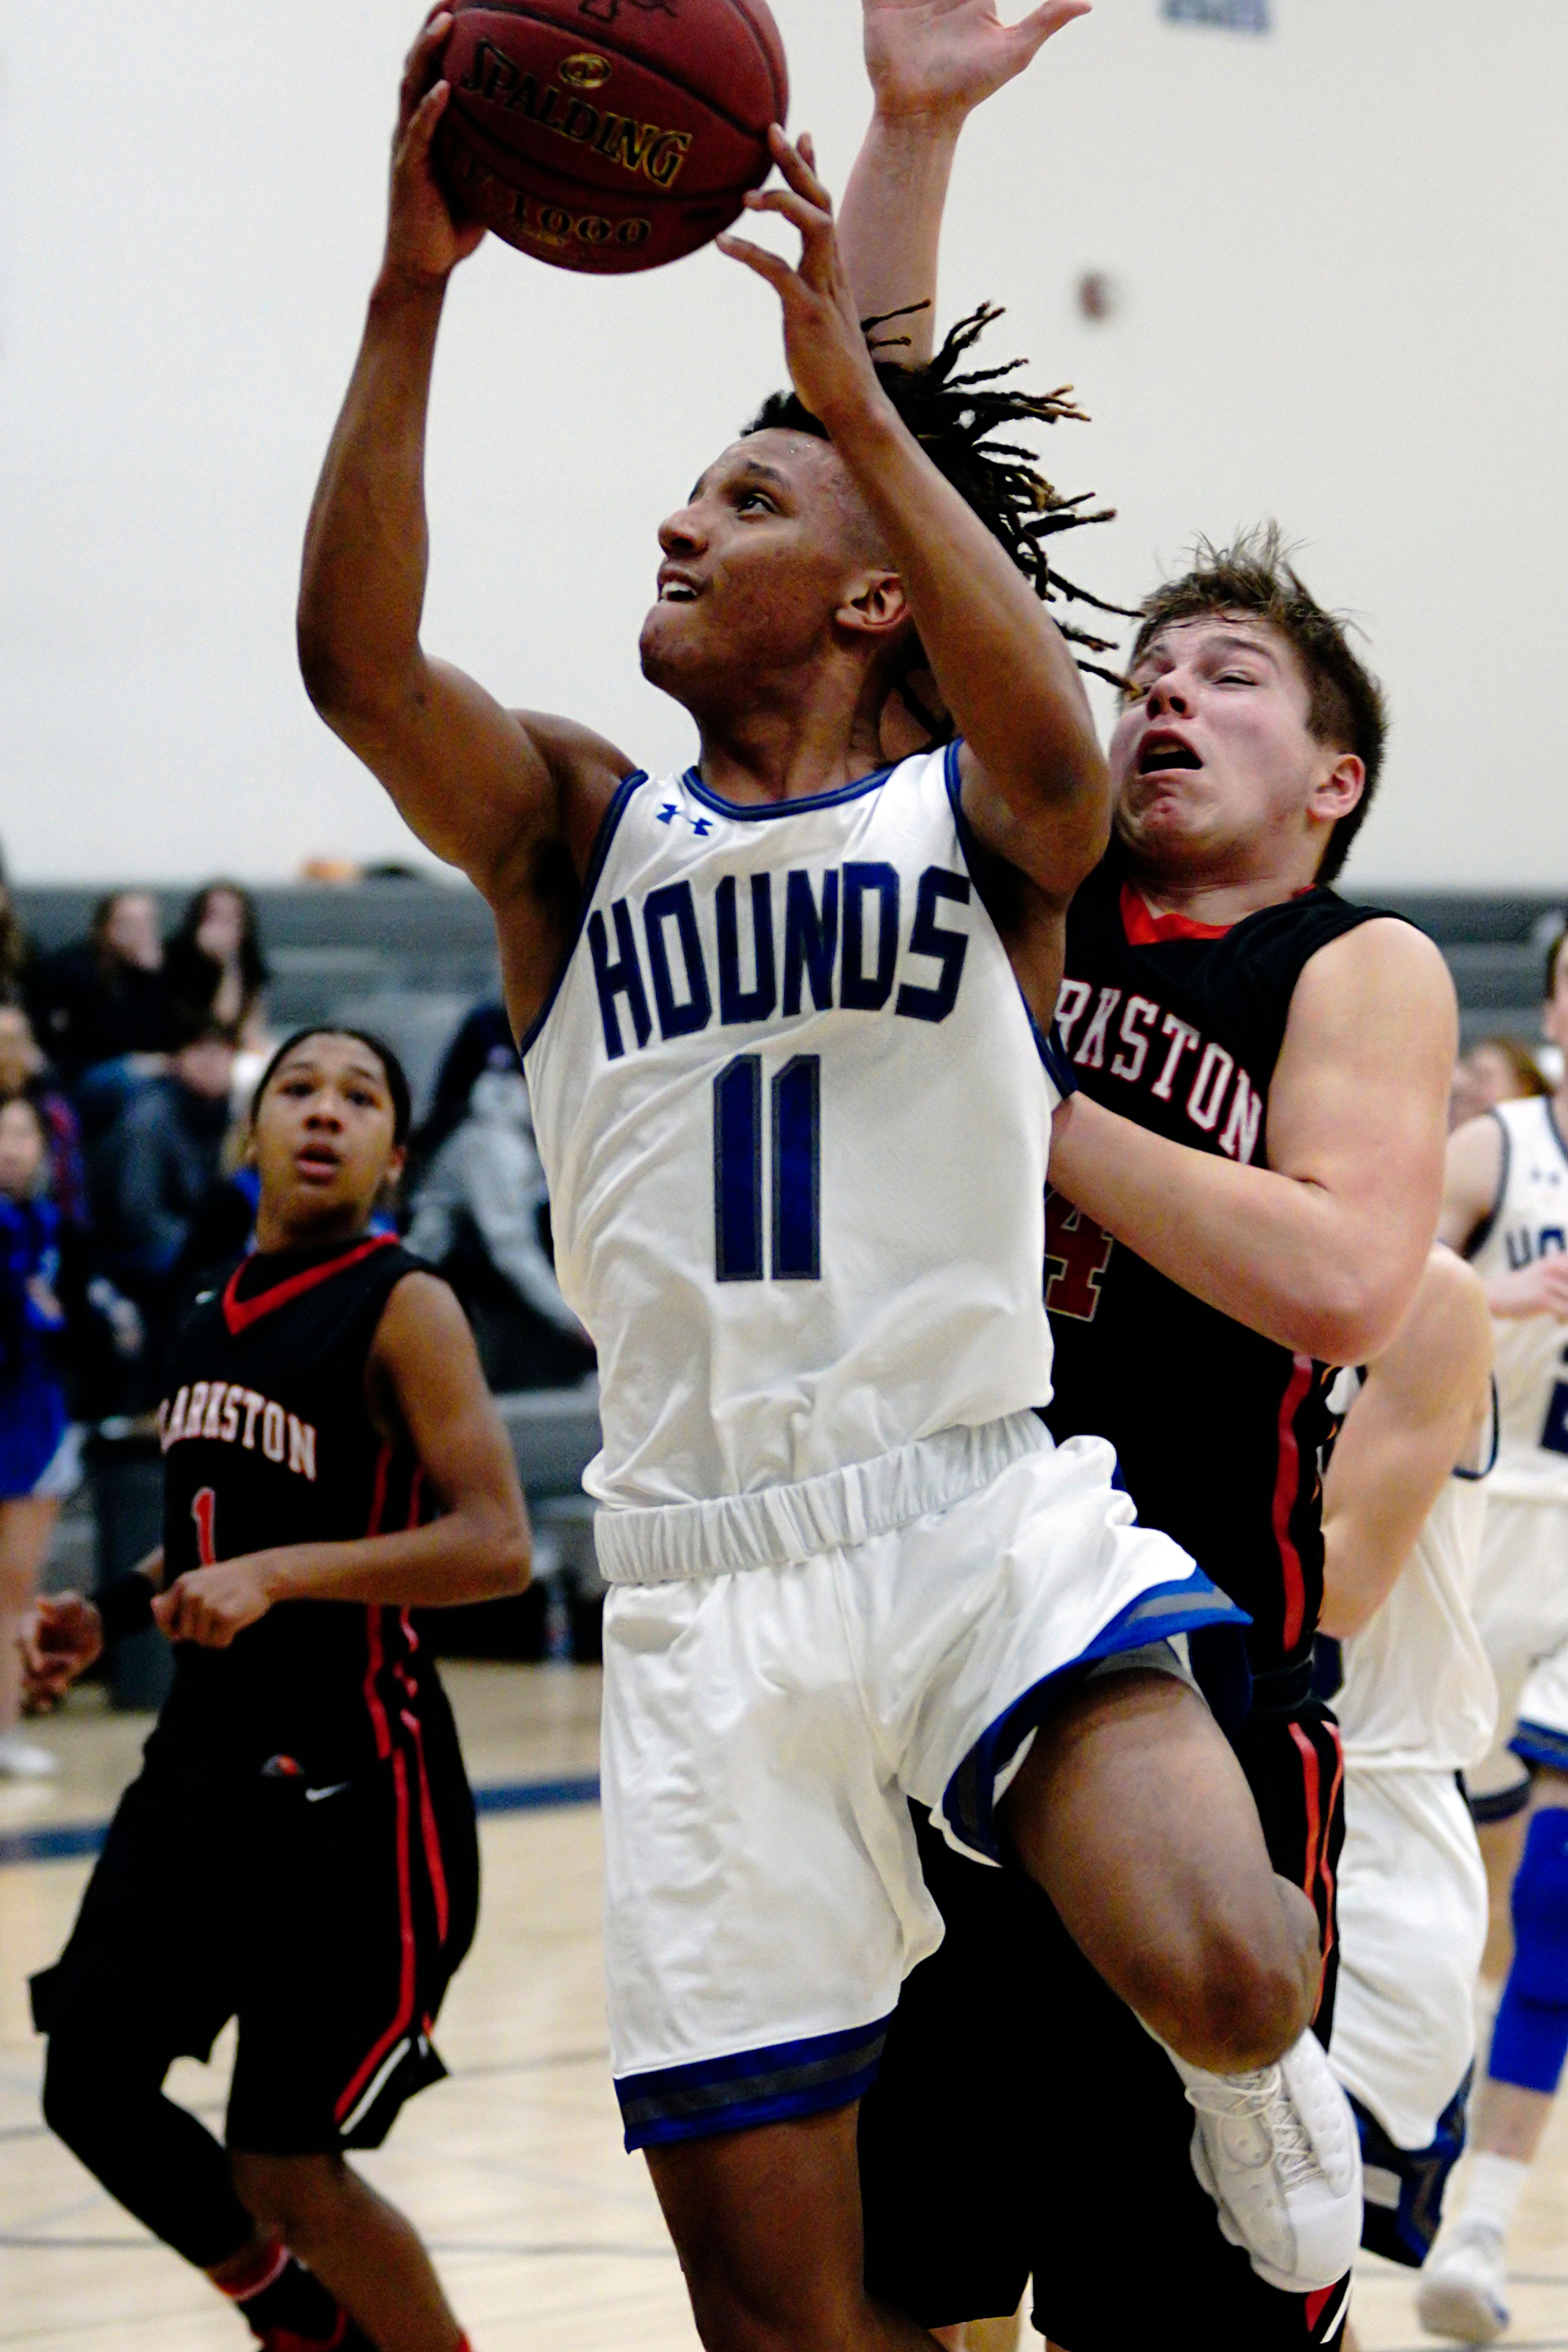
[1339, 789]
[873, 604]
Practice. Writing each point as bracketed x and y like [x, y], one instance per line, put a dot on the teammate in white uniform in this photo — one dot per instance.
[1404, 1504]
[1506, 1206]
[778, 1016]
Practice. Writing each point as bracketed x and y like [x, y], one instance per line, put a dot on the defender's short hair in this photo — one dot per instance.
[1254, 576]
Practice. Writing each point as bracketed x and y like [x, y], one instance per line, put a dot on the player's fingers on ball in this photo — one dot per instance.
[756, 256]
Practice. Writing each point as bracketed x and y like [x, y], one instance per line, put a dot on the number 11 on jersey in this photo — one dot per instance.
[796, 1121]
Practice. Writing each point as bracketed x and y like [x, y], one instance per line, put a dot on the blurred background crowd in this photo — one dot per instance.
[128, 1059]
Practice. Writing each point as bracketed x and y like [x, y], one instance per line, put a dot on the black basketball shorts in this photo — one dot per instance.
[327, 1915]
[1023, 2122]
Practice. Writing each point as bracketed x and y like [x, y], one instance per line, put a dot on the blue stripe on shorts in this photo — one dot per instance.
[1537, 1743]
[968, 1801]
[750, 2086]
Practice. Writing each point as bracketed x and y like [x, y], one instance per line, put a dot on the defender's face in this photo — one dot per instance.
[755, 564]
[323, 1139]
[1212, 757]
[21, 1150]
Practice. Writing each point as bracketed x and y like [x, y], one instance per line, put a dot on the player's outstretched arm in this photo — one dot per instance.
[485, 787]
[1322, 1249]
[1036, 788]
[426, 1385]
[930, 63]
[1416, 1419]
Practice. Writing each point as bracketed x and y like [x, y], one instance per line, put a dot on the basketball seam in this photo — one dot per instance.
[746, 129]
[593, 195]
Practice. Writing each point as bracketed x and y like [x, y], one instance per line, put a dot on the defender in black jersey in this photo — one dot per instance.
[299, 1850]
[1246, 1187]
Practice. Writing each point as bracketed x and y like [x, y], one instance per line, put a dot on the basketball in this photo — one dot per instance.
[608, 136]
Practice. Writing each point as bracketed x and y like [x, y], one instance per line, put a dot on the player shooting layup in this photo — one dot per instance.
[847, 1564]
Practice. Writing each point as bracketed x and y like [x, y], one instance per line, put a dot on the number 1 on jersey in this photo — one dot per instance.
[797, 1157]
[204, 1511]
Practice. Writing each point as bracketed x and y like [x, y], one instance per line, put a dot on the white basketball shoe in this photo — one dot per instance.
[1278, 2152]
[1462, 2286]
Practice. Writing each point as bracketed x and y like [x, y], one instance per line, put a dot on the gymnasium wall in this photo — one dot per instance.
[1337, 252]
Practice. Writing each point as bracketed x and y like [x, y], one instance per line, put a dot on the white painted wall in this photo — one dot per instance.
[1343, 255]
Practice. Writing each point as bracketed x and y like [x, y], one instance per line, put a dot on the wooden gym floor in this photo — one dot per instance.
[545, 2231]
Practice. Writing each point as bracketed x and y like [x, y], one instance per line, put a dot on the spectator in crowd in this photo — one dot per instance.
[105, 1001]
[15, 948]
[37, 1444]
[479, 1217]
[1498, 1069]
[214, 965]
[24, 1072]
[153, 1169]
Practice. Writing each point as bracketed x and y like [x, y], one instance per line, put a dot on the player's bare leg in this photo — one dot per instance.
[743, 2209]
[362, 2250]
[982, 2335]
[1133, 1815]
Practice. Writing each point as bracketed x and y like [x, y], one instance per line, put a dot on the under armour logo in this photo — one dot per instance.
[699, 825]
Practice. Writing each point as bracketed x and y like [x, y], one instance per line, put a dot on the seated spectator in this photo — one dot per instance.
[1495, 1070]
[15, 947]
[24, 1071]
[150, 1170]
[215, 967]
[478, 1216]
[106, 1000]
[37, 1444]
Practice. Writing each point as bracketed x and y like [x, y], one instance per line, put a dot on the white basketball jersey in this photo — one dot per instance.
[1530, 1220]
[795, 1120]
[1418, 1691]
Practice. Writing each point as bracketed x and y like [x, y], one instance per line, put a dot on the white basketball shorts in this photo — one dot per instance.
[782, 1672]
[1413, 1923]
[1521, 1614]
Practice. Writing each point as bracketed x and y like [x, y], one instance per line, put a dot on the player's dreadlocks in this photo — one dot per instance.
[953, 414]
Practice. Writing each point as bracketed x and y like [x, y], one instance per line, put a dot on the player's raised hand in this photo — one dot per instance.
[425, 243]
[61, 1636]
[824, 344]
[211, 1605]
[938, 59]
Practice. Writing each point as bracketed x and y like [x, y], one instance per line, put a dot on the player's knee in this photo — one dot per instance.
[1241, 1995]
[1530, 2042]
[294, 2195]
[73, 2096]
[796, 2316]
[92, 2094]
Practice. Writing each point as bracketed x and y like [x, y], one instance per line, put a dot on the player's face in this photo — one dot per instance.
[757, 562]
[1212, 762]
[322, 1139]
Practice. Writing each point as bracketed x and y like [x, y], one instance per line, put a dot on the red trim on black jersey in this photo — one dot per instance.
[1144, 928]
[1287, 1493]
[239, 1313]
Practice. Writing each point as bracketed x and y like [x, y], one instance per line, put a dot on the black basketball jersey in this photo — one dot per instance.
[1178, 1025]
[267, 1441]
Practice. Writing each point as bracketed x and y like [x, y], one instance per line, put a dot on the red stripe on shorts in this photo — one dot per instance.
[406, 1976]
[1287, 1489]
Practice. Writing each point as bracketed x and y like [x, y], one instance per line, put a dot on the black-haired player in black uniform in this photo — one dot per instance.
[1245, 1189]
[299, 1850]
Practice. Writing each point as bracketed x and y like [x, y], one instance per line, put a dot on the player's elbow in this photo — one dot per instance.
[509, 1558]
[1352, 1317]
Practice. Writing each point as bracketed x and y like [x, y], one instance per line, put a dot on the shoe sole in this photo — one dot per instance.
[1447, 2307]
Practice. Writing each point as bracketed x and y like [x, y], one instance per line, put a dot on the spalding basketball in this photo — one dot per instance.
[608, 134]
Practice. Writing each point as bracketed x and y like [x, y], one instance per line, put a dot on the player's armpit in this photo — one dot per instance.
[1472, 1181]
